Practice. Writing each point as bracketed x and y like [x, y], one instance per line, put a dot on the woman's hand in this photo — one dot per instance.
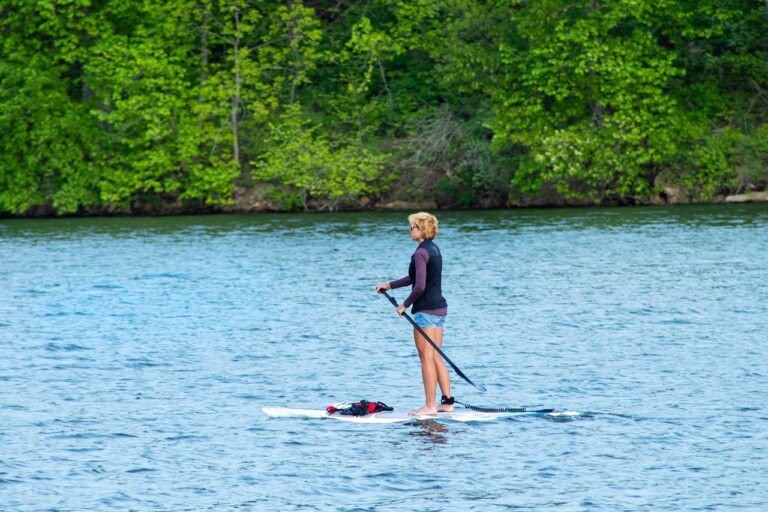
[401, 309]
[382, 287]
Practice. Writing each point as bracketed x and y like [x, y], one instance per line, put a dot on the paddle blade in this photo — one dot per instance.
[460, 373]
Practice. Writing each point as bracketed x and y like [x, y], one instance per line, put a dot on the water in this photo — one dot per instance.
[136, 354]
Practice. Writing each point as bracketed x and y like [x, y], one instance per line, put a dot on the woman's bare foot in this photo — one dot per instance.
[424, 410]
[446, 404]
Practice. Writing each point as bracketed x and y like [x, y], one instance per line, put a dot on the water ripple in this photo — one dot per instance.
[136, 354]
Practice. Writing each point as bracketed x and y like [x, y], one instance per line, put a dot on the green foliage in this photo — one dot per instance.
[594, 99]
[589, 98]
[48, 143]
[287, 199]
[726, 159]
[749, 157]
[453, 156]
[462, 103]
[46, 153]
[314, 165]
[164, 126]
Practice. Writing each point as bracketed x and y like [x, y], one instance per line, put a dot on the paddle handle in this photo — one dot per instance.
[439, 350]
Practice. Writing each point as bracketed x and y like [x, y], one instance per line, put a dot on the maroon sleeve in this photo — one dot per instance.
[405, 281]
[420, 258]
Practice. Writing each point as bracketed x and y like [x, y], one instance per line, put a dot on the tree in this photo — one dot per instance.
[163, 121]
[303, 158]
[48, 144]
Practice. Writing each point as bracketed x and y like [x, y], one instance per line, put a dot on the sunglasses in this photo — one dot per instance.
[413, 227]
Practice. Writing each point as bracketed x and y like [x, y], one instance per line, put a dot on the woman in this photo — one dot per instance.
[429, 310]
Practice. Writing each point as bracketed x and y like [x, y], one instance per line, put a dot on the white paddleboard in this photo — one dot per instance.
[400, 417]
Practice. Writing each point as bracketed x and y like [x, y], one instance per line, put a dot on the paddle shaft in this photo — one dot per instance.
[434, 345]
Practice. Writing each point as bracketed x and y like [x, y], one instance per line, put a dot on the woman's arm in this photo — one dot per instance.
[420, 259]
[405, 281]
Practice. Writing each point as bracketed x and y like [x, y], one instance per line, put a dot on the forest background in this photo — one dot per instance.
[141, 106]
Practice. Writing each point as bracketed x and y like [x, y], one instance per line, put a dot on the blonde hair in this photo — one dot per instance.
[427, 224]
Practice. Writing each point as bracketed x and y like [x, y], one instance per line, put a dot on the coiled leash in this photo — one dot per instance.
[444, 400]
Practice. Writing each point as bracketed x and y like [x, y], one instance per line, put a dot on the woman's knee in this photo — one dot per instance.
[426, 355]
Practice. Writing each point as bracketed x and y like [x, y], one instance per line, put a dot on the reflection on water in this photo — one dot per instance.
[433, 431]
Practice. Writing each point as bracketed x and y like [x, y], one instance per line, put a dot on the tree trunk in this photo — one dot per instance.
[296, 54]
[204, 52]
[236, 94]
[203, 62]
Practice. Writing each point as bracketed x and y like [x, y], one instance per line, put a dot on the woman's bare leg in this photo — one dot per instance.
[427, 356]
[443, 378]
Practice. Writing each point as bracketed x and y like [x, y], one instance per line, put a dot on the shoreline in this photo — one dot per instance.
[247, 202]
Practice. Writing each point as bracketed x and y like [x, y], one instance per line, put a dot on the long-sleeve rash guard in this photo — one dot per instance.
[420, 258]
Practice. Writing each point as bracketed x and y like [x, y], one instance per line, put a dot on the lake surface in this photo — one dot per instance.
[136, 355]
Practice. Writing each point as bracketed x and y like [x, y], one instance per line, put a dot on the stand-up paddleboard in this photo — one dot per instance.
[400, 417]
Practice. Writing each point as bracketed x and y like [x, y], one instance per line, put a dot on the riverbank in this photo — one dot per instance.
[260, 200]
[251, 201]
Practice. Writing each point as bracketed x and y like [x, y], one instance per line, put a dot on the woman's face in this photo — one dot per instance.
[416, 234]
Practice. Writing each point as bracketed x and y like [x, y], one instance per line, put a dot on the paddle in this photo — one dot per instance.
[445, 357]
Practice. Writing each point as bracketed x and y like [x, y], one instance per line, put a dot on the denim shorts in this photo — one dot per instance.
[430, 321]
